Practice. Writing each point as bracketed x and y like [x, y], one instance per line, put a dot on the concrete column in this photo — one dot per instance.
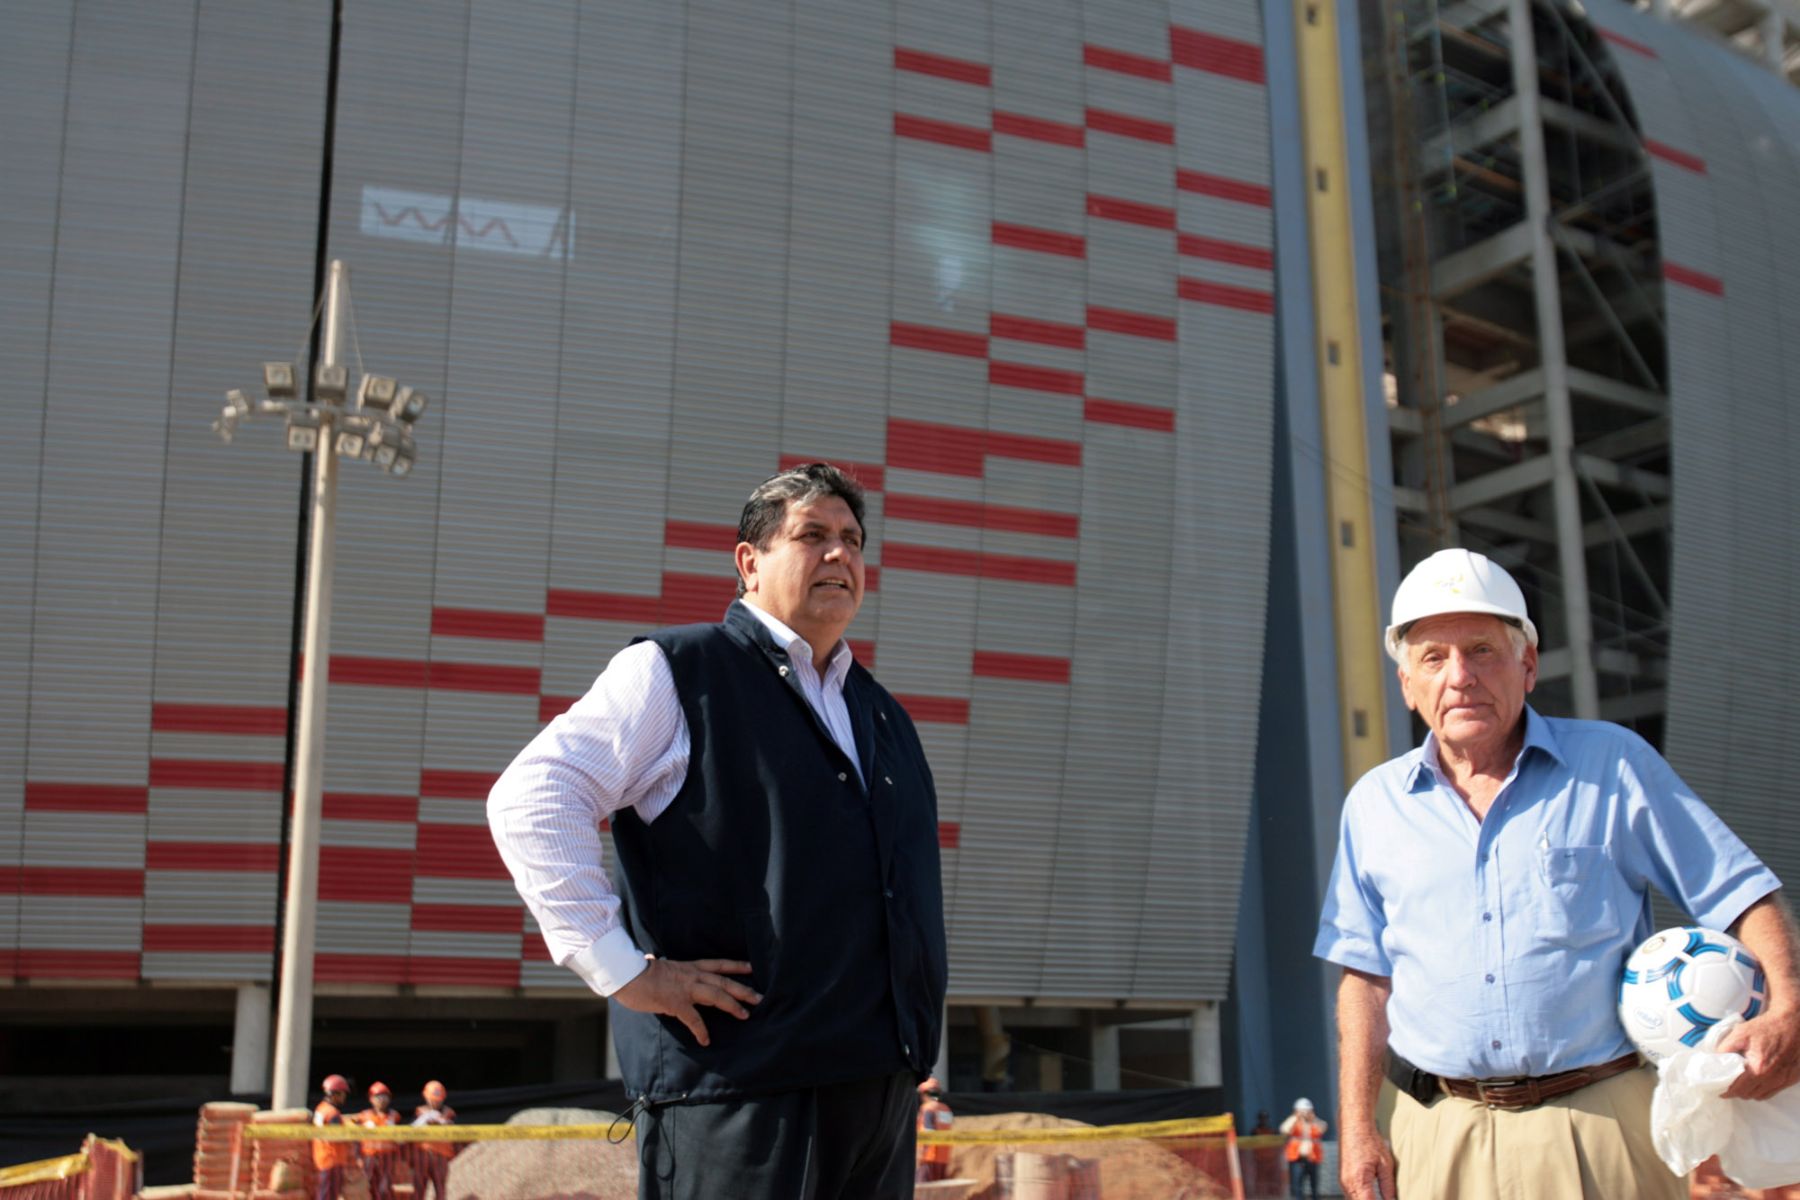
[612, 1053]
[941, 1068]
[1050, 1072]
[575, 1048]
[1206, 1060]
[250, 1041]
[1571, 540]
[1105, 1053]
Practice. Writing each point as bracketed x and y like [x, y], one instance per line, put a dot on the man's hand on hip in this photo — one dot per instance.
[677, 989]
[1770, 1045]
[1365, 1165]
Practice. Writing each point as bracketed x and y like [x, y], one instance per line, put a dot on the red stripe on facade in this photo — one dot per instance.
[378, 672]
[1680, 158]
[1029, 448]
[1132, 416]
[603, 606]
[1125, 63]
[697, 535]
[941, 341]
[936, 710]
[1133, 324]
[456, 785]
[1015, 567]
[871, 578]
[1119, 124]
[1220, 250]
[486, 677]
[1111, 208]
[940, 449]
[359, 968]
[688, 599]
[1216, 55]
[209, 939]
[219, 718]
[212, 856]
[225, 776]
[872, 476]
[369, 806]
[459, 852]
[77, 964]
[863, 651]
[552, 707]
[479, 972]
[487, 623]
[86, 797]
[1037, 129]
[74, 881]
[1036, 379]
[1041, 241]
[1700, 281]
[959, 70]
[535, 949]
[365, 875]
[1220, 188]
[974, 514]
[1034, 668]
[944, 133]
[949, 834]
[1631, 44]
[468, 918]
[1224, 295]
[1042, 333]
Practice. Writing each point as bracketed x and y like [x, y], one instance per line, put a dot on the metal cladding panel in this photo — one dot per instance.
[1724, 140]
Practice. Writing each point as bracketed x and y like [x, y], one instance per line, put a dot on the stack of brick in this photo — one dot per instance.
[279, 1169]
[218, 1146]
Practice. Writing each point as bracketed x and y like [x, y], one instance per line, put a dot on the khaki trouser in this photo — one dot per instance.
[1593, 1144]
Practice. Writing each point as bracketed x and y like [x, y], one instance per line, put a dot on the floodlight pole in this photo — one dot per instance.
[294, 1009]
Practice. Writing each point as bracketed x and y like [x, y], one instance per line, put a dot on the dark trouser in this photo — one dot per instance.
[380, 1170]
[430, 1170]
[331, 1184]
[842, 1141]
[1300, 1169]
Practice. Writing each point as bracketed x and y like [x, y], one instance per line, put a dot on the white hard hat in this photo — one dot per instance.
[1456, 581]
[1303, 1105]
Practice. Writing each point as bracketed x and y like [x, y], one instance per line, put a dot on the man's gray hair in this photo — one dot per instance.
[1514, 634]
[768, 504]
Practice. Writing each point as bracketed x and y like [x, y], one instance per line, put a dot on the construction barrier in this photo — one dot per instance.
[998, 1158]
[101, 1170]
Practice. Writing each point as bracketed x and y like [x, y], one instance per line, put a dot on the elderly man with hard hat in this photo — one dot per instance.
[1487, 889]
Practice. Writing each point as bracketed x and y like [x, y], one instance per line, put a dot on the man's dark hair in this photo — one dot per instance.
[767, 507]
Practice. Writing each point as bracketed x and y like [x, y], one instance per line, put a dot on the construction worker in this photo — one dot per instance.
[1304, 1151]
[431, 1160]
[332, 1159]
[379, 1157]
[934, 1158]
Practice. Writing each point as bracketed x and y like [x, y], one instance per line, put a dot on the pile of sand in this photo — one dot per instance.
[1130, 1169]
[584, 1169]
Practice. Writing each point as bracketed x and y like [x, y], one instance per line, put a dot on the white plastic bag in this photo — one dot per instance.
[1757, 1141]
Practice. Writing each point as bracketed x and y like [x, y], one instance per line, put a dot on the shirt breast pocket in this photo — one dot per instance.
[1580, 895]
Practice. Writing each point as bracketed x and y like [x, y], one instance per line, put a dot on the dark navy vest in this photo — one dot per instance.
[775, 853]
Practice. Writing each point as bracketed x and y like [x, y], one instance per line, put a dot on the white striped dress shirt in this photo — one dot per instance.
[623, 745]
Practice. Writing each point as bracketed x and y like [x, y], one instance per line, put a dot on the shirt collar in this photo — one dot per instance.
[836, 667]
[1426, 770]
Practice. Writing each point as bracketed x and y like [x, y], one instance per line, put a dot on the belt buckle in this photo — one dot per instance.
[1482, 1086]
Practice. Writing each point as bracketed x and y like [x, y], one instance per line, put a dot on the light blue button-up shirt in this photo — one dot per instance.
[1506, 938]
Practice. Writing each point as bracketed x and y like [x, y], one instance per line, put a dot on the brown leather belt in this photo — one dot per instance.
[1514, 1095]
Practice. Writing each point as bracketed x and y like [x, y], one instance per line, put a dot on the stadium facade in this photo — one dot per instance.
[1038, 270]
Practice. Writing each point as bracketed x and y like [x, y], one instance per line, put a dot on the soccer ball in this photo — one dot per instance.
[1682, 982]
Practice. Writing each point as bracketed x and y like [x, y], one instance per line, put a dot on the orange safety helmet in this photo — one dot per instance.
[379, 1088]
[434, 1092]
[335, 1083]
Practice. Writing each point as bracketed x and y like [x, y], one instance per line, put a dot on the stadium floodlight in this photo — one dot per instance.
[303, 431]
[409, 404]
[278, 379]
[377, 392]
[350, 443]
[330, 382]
[403, 460]
[226, 425]
[237, 402]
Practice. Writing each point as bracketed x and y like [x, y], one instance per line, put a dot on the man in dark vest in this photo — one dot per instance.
[774, 949]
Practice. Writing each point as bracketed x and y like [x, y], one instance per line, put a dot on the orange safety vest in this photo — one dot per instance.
[444, 1116]
[371, 1119]
[1303, 1140]
[327, 1155]
[935, 1114]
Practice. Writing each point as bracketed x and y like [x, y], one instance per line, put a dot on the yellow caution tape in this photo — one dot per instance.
[433, 1133]
[1190, 1127]
[47, 1170]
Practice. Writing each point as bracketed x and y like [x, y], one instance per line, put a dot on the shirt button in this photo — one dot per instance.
[782, 671]
[1490, 979]
[1486, 916]
[843, 778]
[1496, 1043]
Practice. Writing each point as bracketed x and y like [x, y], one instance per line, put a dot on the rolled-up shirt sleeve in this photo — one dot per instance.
[1352, 921]
[622, 745]
[1682, 847]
